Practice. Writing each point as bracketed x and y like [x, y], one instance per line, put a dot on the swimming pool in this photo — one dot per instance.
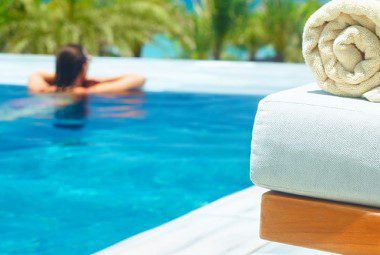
[76, 178]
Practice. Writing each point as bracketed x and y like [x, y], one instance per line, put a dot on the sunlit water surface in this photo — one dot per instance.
[77, 175]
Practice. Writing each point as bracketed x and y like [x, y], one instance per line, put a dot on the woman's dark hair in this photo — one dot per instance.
[69, 64]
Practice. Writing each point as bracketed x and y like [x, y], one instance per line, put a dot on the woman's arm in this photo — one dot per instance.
[117, 84]
[41, 82]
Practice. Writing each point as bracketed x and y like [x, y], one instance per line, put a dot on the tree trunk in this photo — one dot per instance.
[280, 51]
[217, 52]
[251, 55]
[101, 49]
[137, 50]
[278, 58]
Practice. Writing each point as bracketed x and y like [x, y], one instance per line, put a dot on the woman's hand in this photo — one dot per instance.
[118, 84]
[40, 82]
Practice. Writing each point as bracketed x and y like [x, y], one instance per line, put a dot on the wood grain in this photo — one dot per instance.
[319, 224]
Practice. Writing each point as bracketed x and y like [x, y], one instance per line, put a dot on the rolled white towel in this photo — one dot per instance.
[341, 45]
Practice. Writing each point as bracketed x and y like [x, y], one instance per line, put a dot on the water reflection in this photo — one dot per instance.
[73, 115]
[72, 111]
[127, 105]
[35, 106]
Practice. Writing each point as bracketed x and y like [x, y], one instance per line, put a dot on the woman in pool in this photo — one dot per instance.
[71, 76]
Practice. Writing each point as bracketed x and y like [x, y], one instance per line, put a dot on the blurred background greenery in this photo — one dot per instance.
[197, 29]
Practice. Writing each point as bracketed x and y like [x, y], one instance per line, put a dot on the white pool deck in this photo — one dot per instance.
[230, 225]
[174, 75]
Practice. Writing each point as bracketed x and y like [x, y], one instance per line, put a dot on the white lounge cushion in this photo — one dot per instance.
[308, 142]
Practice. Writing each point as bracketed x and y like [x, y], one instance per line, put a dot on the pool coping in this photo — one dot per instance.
[174, 75]
[229, 225]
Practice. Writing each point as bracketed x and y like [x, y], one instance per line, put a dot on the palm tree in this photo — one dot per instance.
[225, 16]
[40, 26]
[210, 25]
[134, 23]
[196, 35]
[283, 21]
[280, 20]
[79, 21]
[26, 26]
[251, 34]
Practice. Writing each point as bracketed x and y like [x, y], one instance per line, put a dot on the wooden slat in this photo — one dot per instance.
[319, 224]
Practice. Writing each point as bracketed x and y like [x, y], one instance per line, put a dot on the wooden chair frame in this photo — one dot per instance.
[320, 224]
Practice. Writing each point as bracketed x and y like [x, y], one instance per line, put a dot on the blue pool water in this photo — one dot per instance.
[77, 178]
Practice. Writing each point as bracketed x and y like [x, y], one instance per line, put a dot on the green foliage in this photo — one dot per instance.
[217, 23]
[225, 16]
[37, 26]
[22, 22]
[41, 26]
[283, 21]
[196, 39]
[134, 23]
[77, 21]
[207, 29]
[251, 34]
